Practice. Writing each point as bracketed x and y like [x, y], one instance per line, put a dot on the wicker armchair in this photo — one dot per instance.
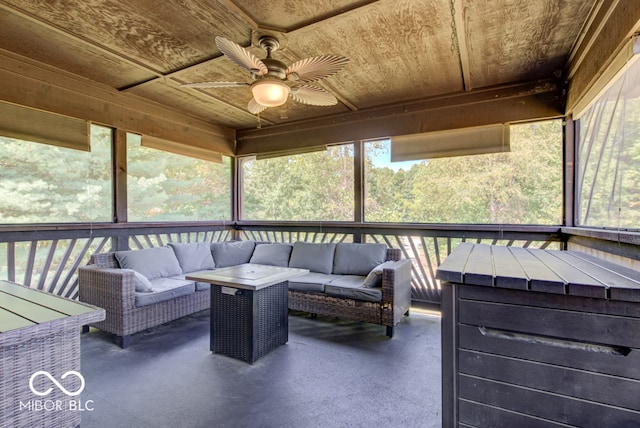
[395, 303]
[102, 284]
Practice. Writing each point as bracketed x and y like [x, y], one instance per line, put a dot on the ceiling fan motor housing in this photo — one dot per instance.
[276, 68]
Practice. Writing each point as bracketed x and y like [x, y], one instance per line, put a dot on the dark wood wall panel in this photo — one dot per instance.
[567, 381]
[542, 405]
[480, 415]
[614, 364]
[578, 326]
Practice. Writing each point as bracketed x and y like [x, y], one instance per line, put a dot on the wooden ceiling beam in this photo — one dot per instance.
[513, 103]
[461, 35]
[602, 42]
[28, 83]
[157, 74]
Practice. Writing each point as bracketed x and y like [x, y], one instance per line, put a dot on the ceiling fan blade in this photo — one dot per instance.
[241, 56]
[313, 95]
[316, 68]
[254, 107]
[215, 85]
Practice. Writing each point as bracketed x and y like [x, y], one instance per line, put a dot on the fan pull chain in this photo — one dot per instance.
[454, 31]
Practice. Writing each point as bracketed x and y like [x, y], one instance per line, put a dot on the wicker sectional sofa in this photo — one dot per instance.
[140, 289]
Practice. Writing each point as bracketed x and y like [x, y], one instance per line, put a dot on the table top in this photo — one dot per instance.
[550, 271]
[248, 276]
[22, 307]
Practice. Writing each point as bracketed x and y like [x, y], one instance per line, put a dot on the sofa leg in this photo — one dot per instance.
[85, 329]
[123, 341]
[389, 332]
[407, 313]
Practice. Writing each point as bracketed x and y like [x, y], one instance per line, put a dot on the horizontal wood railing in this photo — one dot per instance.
[47, 257]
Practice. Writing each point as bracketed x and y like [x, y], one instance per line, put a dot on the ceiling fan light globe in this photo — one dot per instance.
[270, 93]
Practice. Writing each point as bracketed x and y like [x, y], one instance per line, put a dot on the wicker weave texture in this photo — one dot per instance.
[356, 310]
[57, 354]
[54, 347]
[51, 346]
[113, 289]
[395, 302]
[250, 324]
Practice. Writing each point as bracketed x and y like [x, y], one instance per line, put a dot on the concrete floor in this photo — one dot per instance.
[331, 373]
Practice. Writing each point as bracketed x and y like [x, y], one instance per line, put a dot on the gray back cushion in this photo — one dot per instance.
[272, 254]
[159, 262]
[358, 259]
[193, 256]
[232, 253]
[312, 256]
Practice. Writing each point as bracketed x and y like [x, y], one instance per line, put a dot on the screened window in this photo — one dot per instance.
[311, 186]
[523, 186]
[163, 186]
[608, 160]
[48, 183]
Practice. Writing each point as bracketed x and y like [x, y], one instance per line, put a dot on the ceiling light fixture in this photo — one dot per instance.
[270, 93]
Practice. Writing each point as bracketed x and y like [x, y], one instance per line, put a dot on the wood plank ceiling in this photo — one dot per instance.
[400, 51]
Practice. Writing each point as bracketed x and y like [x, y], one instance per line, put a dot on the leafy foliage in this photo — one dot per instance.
[163, 186]
[314, 186]
[49, 184]
[520, 187]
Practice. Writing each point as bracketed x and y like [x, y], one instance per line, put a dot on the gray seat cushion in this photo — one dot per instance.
[358, 259]
[312, 282]
[313, 256]
[272, 254]
[232, 253]
[193, 256]
[158, 262]
[165, 289]
[199, 285]
[350, 286]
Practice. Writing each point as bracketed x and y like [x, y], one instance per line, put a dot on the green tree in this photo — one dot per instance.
[313, 186]
[42, 183]
[523, 186]
[163, 186]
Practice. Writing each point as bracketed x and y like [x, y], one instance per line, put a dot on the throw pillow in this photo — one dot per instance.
[158, 262]
[272, 254]
[312, 256]
[193, 256]
[232, 253]
[141, 282]
[358, 259]
[374, 278]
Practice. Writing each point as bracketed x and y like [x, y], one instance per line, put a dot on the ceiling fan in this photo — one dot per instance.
[274, 81]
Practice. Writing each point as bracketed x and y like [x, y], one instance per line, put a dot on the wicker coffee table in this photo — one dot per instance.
[249, 308]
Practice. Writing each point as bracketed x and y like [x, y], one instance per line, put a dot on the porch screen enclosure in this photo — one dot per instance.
[608, 179]
[344, 193]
